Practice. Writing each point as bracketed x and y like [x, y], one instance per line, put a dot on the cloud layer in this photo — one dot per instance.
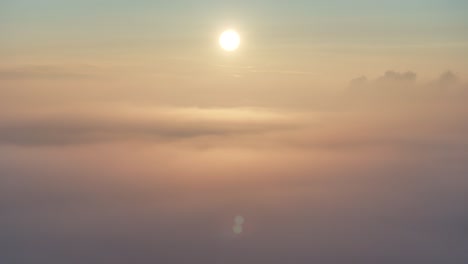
[379, 177]
[121, 123]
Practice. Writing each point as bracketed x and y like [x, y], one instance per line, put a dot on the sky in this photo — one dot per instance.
[337, 132]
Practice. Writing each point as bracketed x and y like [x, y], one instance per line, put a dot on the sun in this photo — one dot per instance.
[229, 40]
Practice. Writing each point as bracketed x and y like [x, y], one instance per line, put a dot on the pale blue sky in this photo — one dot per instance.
[53, 15]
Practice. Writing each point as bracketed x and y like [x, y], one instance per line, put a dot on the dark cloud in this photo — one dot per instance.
[78, 127]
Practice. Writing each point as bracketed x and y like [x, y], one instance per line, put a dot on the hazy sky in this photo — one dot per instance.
[338, 131]
[318, 38]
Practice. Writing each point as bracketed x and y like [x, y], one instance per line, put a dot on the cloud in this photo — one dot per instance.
[35, 72]
[135, 184]
[384, 102]
[390, 80]
[448, 78]
[149, 204]
[75, 126]
[392, 76]
[401, 89]
[407, 80]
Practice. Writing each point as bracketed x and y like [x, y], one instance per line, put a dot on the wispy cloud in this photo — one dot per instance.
[34, 72]
[75, 126]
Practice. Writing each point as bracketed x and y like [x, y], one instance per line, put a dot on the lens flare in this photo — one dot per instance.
[239, 220]
[237, 229]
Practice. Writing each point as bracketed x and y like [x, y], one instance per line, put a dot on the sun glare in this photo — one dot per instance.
[229, 40]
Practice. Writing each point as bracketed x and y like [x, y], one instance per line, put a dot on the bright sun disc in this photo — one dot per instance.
[229, 40]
